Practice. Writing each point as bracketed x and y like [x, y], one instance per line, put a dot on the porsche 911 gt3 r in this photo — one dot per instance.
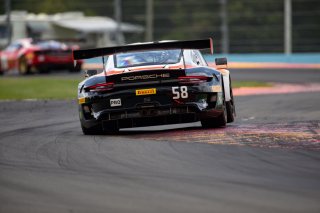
[154, 83]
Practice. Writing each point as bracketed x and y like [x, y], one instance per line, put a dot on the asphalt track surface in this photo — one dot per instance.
[267, 161]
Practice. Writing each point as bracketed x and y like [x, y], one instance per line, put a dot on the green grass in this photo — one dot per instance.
[237, 84]
[39, 87]
[46, 87]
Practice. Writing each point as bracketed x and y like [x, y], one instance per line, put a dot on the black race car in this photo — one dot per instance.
[156, 83]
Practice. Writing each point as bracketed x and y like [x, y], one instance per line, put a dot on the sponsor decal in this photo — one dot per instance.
[82, 100]
[115, 102]
[150, 91]
[216, 88]
[145, 77]
[180, 92]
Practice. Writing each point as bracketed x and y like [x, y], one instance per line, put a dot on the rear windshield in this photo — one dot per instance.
[156, 57]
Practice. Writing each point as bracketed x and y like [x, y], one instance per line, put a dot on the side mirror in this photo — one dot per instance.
[221, 61]
[89, 73]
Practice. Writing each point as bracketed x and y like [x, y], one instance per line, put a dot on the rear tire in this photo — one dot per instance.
[230, 111]
[1, 71]
[96, 130]
[111, 128]
[24, 68]
[220, 121]
[44, 70]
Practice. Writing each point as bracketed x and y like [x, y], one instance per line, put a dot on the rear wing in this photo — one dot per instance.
[97, 52]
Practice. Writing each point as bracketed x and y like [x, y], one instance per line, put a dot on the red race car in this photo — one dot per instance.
[38, 56]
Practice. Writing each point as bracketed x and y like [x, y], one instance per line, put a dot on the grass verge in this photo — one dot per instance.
[45, 87]
[238, 84]
[39, 87]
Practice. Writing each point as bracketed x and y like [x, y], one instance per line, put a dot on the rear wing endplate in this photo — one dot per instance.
[190, 44]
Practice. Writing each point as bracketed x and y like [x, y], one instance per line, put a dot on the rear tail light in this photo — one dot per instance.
[30, 56]
[100, 87]
[193, 79]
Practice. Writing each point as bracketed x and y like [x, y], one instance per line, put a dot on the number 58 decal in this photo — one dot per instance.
[180, 92]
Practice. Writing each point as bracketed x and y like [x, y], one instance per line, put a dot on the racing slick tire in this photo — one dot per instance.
[111, 128]
[23, 68]
[96, 130]
[220, 121]
[231, 109]
[1, 71]
[44, 70]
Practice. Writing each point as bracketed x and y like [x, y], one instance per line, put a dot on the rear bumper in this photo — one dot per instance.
[149, 117]
[160, 109]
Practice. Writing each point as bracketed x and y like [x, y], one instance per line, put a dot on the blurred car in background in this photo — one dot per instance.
[38, 56]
